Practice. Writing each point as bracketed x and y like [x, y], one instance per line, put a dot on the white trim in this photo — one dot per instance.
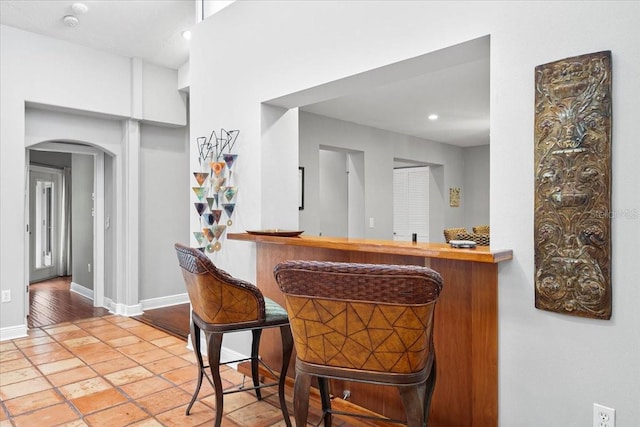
[228, 354]
[98, 229]
[122, 309]
[225, 352]
[13, 332]
[148, 304]
[81, 290]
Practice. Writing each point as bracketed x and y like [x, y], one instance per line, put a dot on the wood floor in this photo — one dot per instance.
[173, 320]
[52, 302]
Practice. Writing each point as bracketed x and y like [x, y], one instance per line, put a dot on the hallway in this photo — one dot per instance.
[52, 302]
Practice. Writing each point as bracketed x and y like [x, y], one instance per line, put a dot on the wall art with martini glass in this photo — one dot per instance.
[215, 192]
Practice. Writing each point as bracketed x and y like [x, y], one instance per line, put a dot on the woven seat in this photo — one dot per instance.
[221, 303]
[365, 323]
[481, 229]
[480, 239]
[452, 233]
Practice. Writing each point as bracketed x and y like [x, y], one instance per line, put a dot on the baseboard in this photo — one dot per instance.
[228, 354]
[225, 352]
[13, 332]
[149, 304]
[82, 291]
[122, 309]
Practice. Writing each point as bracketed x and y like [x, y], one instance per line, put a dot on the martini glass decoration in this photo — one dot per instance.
[229, 159]
[200, 192]
[208, 233]
[218, 230]
[208, 219]
[205, 148]
[218, 183]
[201, 177]
[217, 168]
[217, 213]
[210, 201]
[200, 207]
[230, 192]
[217, 233]
[199, 235]
[213, 184]
[228, 208]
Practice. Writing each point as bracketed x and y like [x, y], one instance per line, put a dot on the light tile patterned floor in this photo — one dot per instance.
[115, 371]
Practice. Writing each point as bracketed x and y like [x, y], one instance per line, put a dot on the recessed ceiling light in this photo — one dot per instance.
[433, 117]
[79, 8]
[70, 21]
[186, 34]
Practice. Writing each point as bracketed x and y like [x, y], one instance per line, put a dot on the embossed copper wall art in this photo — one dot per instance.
[572, 223]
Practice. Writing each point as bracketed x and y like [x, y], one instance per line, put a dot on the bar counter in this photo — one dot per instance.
[466, 320]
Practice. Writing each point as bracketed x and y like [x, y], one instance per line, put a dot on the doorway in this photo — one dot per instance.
[65, 203]
[341, 192]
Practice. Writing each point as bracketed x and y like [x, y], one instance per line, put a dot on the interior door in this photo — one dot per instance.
[411, 204]
[44, 212]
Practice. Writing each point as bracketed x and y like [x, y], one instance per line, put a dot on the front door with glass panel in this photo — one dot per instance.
[44, 191]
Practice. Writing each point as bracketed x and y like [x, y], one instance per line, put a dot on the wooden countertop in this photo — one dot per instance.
[427, 250]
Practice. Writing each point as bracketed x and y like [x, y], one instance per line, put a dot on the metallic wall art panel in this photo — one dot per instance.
[572, 223]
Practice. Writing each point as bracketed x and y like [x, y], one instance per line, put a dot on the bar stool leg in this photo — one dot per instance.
[255, 371]
[323, 388]
[195, 341]
[214, 344]
[301, 398]
[287, 349]
[429, 387]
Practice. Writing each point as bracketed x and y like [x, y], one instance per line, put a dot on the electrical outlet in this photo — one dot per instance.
[603, 416]
[89, 268]
[6, 295]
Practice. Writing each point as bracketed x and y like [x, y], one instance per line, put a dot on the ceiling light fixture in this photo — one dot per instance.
[186, 34]
[70, 21]
[433, 117]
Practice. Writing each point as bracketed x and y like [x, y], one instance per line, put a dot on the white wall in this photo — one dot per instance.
[475, 189]
[164, 208]
[82, 220]
[331, 199]
[552, 367]
[100, 102]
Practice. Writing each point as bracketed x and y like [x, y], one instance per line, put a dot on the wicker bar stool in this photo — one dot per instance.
[452, 233]
[362, 322]
[480, 239]
[221, 303]
[481, 229]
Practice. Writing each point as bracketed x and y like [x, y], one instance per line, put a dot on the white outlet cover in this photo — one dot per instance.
[603, 416]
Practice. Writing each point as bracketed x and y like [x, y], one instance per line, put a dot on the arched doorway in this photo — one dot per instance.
[72, 242]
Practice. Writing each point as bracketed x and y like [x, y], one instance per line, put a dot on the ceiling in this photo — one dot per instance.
[457, 94]
[457, 89]
[146, 29]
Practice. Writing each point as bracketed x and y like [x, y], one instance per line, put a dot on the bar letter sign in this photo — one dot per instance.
[572, 219]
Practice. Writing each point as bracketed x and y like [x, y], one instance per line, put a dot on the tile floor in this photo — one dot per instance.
[115, 371]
